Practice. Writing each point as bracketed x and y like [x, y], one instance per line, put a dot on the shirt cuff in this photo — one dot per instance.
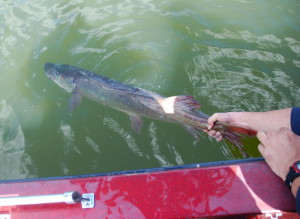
[298, 201]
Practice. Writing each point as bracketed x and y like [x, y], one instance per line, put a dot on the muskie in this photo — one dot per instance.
[137, 102]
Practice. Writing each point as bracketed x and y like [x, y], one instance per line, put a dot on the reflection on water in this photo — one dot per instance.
[155, 147]
[233, 55]
[68, 139]
[14, 160]
[127, 137]
[93, 144]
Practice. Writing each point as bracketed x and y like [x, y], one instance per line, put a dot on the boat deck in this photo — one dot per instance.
[244, 187]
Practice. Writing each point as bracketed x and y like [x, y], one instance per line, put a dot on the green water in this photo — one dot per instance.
[230, 55]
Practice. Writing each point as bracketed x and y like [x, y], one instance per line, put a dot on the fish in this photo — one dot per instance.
[138, 102]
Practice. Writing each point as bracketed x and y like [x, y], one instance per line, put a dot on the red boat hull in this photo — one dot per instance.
[200, 190]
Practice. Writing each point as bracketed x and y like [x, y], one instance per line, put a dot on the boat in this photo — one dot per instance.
[244, 188]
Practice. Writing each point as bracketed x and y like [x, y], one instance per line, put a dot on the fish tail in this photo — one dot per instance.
[234, 134]
[239, 130]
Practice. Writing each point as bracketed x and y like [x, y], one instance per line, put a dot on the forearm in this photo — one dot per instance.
[263, 121]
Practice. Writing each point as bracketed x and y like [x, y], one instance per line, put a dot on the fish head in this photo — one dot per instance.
[63, 75]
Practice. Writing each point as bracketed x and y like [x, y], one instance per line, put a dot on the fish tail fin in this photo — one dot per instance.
[239, 130]
[234, 134]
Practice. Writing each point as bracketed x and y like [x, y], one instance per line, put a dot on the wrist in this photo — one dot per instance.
[293, 176]
[295, 186]
[241, 119]
[286, 170]
[288, 164]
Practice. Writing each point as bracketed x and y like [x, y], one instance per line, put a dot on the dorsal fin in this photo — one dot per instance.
[189, 101]
[182, 102]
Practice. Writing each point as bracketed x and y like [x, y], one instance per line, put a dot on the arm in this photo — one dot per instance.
[258, 121]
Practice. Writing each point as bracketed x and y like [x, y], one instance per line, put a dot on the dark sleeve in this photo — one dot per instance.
[298, 201]
[295, 120]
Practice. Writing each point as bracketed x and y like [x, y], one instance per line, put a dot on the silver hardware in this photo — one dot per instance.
[68, 198]
[276, 216]
[87, 200]
[4, 216]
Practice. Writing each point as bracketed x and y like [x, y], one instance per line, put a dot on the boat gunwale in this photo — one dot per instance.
[140, 171]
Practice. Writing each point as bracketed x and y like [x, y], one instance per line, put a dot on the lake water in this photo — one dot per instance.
[230, 55]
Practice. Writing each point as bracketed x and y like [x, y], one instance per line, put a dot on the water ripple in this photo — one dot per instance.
[294, 45]
[128, 138]
[255, 90]
[262, 41]
[155, 147]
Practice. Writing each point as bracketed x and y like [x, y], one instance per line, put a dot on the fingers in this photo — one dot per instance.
[222, 117]
[279, 149]
[210, 124]
[264, 147]
[262, 136]
[219, 137]
[261, 149]
[215, 134]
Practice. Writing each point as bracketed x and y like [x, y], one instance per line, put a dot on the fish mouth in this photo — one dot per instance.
[49, 68]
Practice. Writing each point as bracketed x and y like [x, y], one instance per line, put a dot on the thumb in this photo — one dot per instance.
[211, 120]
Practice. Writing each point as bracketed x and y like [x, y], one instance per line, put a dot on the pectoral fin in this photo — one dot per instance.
[74, 101]
[136, 123]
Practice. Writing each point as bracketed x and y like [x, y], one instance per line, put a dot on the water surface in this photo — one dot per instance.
[230, 55]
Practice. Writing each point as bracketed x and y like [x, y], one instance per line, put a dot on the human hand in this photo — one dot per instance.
[280, 149]
[221, 117]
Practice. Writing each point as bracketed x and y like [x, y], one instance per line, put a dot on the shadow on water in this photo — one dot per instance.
[14, 160]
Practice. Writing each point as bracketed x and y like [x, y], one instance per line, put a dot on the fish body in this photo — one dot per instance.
[123, 97]
[136, 102]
